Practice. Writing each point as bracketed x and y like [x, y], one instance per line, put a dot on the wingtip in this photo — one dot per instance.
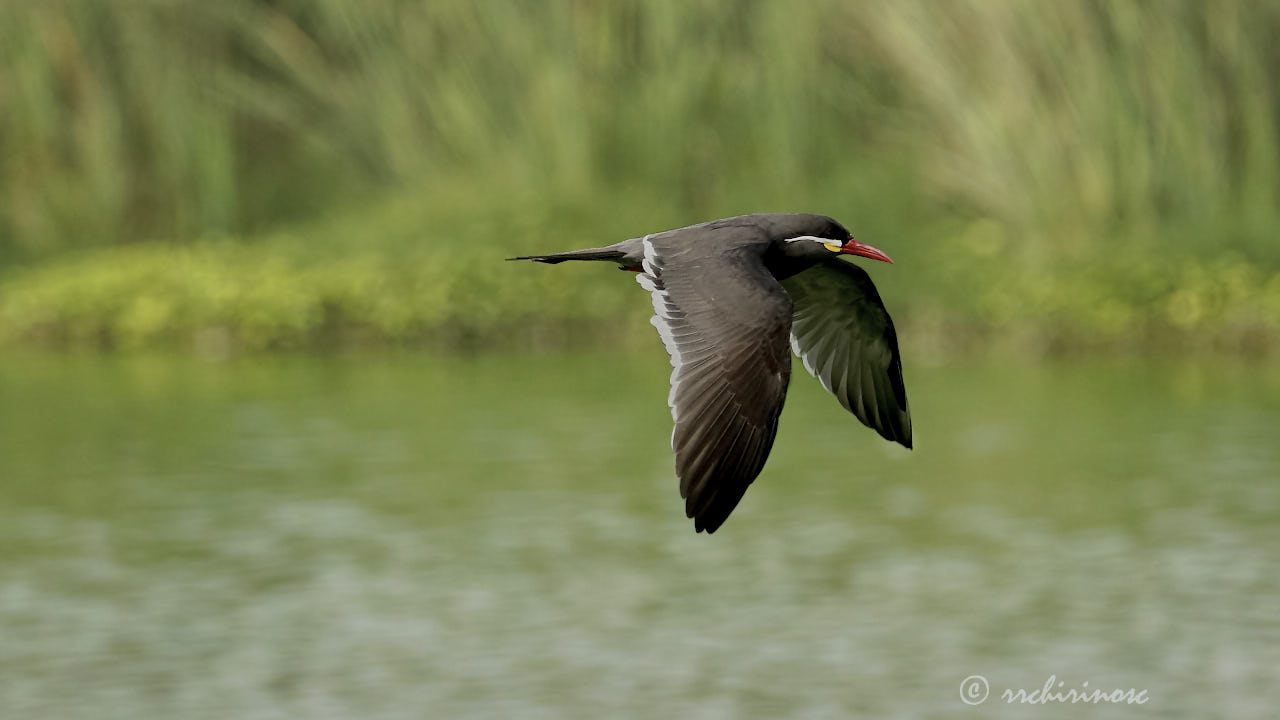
[902, 436]
[707, 521]
[702, 522]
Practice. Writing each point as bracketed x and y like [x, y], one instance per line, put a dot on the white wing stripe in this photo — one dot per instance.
[664, 311]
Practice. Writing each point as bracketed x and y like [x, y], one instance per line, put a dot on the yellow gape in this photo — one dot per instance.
[833, 247]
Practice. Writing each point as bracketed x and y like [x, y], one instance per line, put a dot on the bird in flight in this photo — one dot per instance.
[729, 298]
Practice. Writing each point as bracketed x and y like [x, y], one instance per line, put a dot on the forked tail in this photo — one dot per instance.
[588, 254]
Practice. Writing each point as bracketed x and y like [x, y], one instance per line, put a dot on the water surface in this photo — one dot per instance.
[415, 537]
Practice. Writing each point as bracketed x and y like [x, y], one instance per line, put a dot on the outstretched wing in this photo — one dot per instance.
[846, 339]
[725, 322]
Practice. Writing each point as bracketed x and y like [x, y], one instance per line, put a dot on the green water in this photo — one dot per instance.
[408, 537]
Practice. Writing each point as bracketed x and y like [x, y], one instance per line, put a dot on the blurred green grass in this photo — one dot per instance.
[266, 175]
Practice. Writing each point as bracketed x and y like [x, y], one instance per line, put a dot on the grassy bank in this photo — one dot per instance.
[263, 175]
[437, 278]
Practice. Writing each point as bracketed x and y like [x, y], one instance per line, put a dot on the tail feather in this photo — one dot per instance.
[588, 254]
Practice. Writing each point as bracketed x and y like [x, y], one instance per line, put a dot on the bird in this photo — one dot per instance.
[732, 298]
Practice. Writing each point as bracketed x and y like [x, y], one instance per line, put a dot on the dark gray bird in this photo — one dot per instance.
[729, 297]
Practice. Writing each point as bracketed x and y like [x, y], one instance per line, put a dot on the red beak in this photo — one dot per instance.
[853, 247]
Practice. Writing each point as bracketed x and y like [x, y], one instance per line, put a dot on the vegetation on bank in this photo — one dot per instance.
[311, 289]
[261, 175]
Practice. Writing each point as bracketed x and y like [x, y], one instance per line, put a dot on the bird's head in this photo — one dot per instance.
[818, 236]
